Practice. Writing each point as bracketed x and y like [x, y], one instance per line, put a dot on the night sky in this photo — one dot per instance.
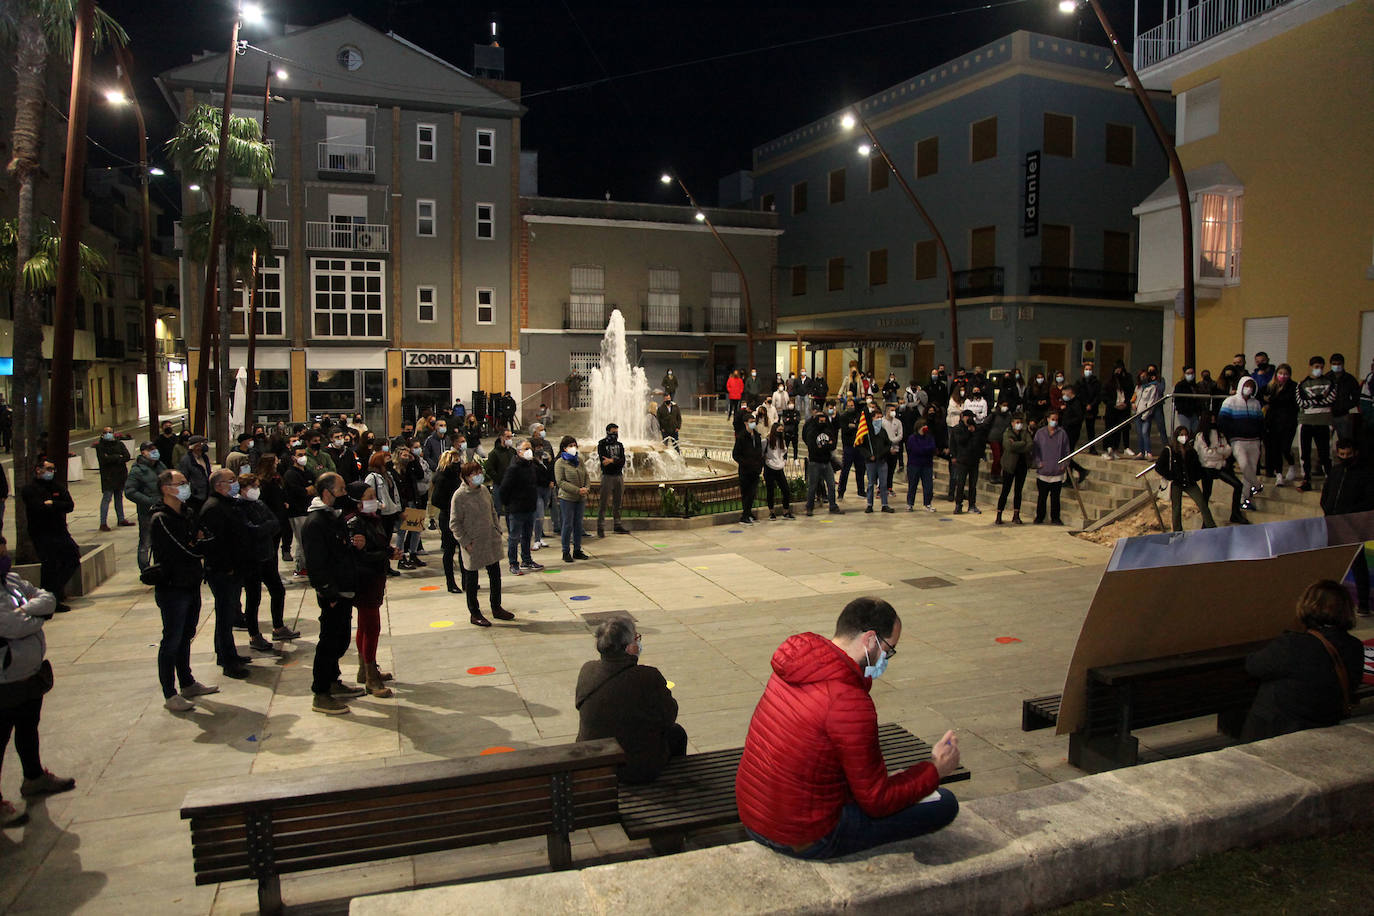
[727, 75]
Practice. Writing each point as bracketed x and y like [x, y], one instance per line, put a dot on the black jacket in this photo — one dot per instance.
[329, 555]
[791, 418]
[372, 561]
[518, 492]
[748, 453]
[441, 489]
[232, 551]
[1298, 684]
[820, 440]
[1183, 473]
[966, 445]
[262, 525]
[619, 698]
[46, 521]
[175, 548]
[1349, 488]
[296, 483]
[614, 451]
[1089, 389]
[346, 463]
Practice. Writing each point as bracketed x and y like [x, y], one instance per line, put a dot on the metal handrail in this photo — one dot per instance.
[1135, 416]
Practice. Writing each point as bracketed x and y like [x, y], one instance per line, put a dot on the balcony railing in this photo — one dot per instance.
[584, 316]
[1087, 284]
[1194, 25]
[981, 281]
[347, 158]
[724, 319]
[109, 348]
[370, 237]
[279, 229]
[666, 318]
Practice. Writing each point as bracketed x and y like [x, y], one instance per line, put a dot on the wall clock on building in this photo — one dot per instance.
[349, 57]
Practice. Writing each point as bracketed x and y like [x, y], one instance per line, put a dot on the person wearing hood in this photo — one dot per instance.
[331, 556]
[47, 503]
[1316, 394]
[472, 519]
[142, 489]
[373, 560]
[920, 464]
[610, 452]
[520, 496]
[619, 698]
[573, 484]
[819, 435]
[1241, 420]
[811, 782]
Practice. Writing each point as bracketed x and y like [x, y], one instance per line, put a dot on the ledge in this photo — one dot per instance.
[97, 565]
[1017, 853]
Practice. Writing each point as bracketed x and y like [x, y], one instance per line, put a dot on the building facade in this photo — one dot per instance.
[1275, 138]
[393, 207]
[1028, 159]
[680, 294]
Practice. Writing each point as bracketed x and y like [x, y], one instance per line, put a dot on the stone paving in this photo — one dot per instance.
[990, 616]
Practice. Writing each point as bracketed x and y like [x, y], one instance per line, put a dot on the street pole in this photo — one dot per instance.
[218, 205]
[930, 223]
[250, 389]
[149, 318]
[69, 257]
[743, 280]
[1185, 210]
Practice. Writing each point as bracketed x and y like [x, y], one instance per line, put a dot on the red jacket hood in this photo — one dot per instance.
[809, 658]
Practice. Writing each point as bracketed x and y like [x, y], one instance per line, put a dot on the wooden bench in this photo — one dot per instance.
[698, 791]
[1040, 712]
[265, 827]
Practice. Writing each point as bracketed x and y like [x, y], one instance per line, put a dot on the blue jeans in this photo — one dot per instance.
[926, 476]
[877, 477]
[519, 527]
[541, 506]
[572, 510]
[857, 831]
[228, 592]
[106, 496]
[180, 609]
[1142, 429]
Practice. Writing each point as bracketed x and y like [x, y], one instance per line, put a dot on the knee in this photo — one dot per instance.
[947, 808]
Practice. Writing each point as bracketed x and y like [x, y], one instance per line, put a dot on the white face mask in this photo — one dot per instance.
[301, 461]
[251, 494]
[1316, 371]
[527, 453]
[369, 506]
[571, 450]
[1018, 426]
[1053, 424]
[1182, 440]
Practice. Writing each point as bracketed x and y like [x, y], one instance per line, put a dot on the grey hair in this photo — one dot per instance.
[615, 635]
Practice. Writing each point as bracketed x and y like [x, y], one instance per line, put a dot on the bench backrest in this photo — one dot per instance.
[285, 824]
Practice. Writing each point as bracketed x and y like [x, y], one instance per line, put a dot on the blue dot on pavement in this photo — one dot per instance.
[582, 597]
[737, 531]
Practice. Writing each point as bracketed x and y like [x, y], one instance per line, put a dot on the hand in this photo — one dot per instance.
[583, 490]
[945, 754]
[47, 502]
[395, 553]
[359, 541]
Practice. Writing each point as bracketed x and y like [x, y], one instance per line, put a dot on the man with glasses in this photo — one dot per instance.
[812, 783]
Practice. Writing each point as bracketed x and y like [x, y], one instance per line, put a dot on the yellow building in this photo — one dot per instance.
[1276, 138]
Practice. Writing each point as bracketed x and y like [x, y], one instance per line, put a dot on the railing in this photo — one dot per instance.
[279, 229]
[981, 281]
[584, 316]
[666, 318]
[109, 348]
[1072, 281]
[1194, 25]
[346, 157]
[724, 320]
[374, 237]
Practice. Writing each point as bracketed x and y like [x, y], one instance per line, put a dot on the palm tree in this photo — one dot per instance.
[35, 30]
[195, 150]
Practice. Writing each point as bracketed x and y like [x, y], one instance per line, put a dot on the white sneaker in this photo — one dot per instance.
[178, 703]
[537, 545]
[1129, 453]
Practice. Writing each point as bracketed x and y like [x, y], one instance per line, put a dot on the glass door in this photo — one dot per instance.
[374, 399]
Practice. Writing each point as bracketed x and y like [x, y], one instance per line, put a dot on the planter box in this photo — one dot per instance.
[97, 565]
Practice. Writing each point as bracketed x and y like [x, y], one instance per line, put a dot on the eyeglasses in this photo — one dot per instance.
[887, 646]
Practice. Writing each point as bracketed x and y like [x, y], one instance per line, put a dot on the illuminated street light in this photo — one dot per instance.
[156, 171]
[193, 187]
[847, 122]
[116, 97]
[865, 149]
[701, 217]
[666, 178]
[251, 13]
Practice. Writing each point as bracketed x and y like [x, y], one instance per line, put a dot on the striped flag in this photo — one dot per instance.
[862, 433]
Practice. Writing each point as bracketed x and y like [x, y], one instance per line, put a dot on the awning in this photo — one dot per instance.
[1207, 178]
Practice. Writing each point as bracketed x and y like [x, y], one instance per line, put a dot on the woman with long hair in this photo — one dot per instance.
[775, 473]
[446, 482]
[380, 479]
[274, 498]
[1281, 425]
[1214, 452]
[1117, 391]
[1179, 464]
[573, 485]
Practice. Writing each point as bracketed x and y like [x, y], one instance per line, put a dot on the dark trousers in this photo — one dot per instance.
[1047, 491]
[1360, 569]
[733, 409]
[820, 479]
[61, 559]
[612, 491]
[1194, 492]
[1311, 433]
[493, 582]
[1278, 446]
[450, 545]
[336, 626]
[926, 476]
[228, 592]
[1013, 482]
[519, 529]
[22, 720]
[180, 609]
[1117, 439]
[857, 831]
[286, 536]
[853, 457]
[777, 477]
[965, 483]
[748, 489]
[265, 574]
[145, 539]
[1228, 478]
[790, 439]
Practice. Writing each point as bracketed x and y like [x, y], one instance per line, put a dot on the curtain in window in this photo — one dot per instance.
[1214, 236]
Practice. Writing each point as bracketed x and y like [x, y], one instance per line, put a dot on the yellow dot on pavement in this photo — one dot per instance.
[671, 685]
[441, 624]
[701, 567]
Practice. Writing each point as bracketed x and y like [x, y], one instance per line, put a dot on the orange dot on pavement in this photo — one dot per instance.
[1006, 639]
[496, 750]
[429, 588]
[482, 669]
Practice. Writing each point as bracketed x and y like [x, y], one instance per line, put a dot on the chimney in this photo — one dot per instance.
[489, 60]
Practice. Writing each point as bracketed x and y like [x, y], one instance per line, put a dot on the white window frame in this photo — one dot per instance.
[346, 271]
[420, 218]
[421, 304]
[421, 143]
[489, 146]
[489, 221]
[1229, 232]
[271, 299]
[490, 304]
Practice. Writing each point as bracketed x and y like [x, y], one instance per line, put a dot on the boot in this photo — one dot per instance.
[362, 672]
[415, 561]
[375, 687]
[1238, 519]
[1016, 518]
[404, 562]
[998, 519]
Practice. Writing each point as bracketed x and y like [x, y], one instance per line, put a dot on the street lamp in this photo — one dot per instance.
[1185, 210]
[848, 121]
[669, 178]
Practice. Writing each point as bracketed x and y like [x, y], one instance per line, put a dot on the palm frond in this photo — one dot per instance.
[195, 148]
[40, 270]
[57, 19]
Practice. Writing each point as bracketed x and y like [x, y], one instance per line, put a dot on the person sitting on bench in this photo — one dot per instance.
[1307, 678]
[812, 783]
[619, 698]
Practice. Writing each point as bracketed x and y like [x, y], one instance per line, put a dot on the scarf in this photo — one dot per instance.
[571, 459]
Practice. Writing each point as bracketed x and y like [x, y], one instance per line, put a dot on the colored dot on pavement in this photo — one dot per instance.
[701, 567]
[827, 521]
[849, 574]
[441, 624]
[658, 545]
[784, 548]
[429, 588]
[552, 571]
[482, 669]
[736, 531]
[1007, 639]
[671, 685]
[499, 749]
[582, 597]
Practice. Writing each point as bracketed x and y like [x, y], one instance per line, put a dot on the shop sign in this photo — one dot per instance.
[441, 359]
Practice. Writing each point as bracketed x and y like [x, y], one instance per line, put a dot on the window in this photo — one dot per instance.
[798, 198]
[331, 390]
[925, 260]
[834, 274]
[1058, 135]
[877, 173]
[348, 297]
[1221, 219]
[983, 140]
[587, 299]
[486, 309]
[424, 304]
[486, 221]
[1120, 144]
[661, 310]
[799, 279]
[1056, 245]
[836, 186]
[1199, 112]
[877, 267]
[272, 394]
[271, 314]
[486, 147]
[983, 247]
[424, 218]
[767, 204]
[1116, 252]
[725, 301]
[424, 142]
[927, 157]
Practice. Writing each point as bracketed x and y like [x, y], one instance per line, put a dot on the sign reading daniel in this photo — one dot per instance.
[441, 359]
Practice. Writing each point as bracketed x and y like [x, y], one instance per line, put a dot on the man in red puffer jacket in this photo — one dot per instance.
[812, 783]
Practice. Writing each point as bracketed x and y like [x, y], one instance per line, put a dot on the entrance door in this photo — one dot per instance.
[925, 361]
[980, 354]
[1108, 353]
[349, 391]
[722, 361]
[1055, 355]
[491, 371]
[374, 398]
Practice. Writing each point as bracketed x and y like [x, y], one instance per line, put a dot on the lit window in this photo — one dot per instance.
[486, 221]
[486, 311]
[486, 147]
[424, 142]
[1221, 220]
[424, 304]
[424, 218]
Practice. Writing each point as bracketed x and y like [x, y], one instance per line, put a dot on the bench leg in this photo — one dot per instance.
[1230, 722]
[666, 844]
[1103, 752]
[560, 851]
[269, 895]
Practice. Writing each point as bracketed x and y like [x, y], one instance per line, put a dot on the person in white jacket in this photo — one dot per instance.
[1215, 454]
[24, 678]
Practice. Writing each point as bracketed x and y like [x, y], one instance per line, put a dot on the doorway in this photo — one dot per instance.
[491, 371]
[350, 391]
[1055, 355]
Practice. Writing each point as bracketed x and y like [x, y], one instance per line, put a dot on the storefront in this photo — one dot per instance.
[433, 378]
[351, 381]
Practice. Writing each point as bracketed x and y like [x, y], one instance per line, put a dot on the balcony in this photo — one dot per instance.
[1083, 284]
[981, 281]
[1194, 25]
[345, 159]
[374, 238]
[280, 233]
[724, 319]
[109, 348]
[584, 316]
[670, 318]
